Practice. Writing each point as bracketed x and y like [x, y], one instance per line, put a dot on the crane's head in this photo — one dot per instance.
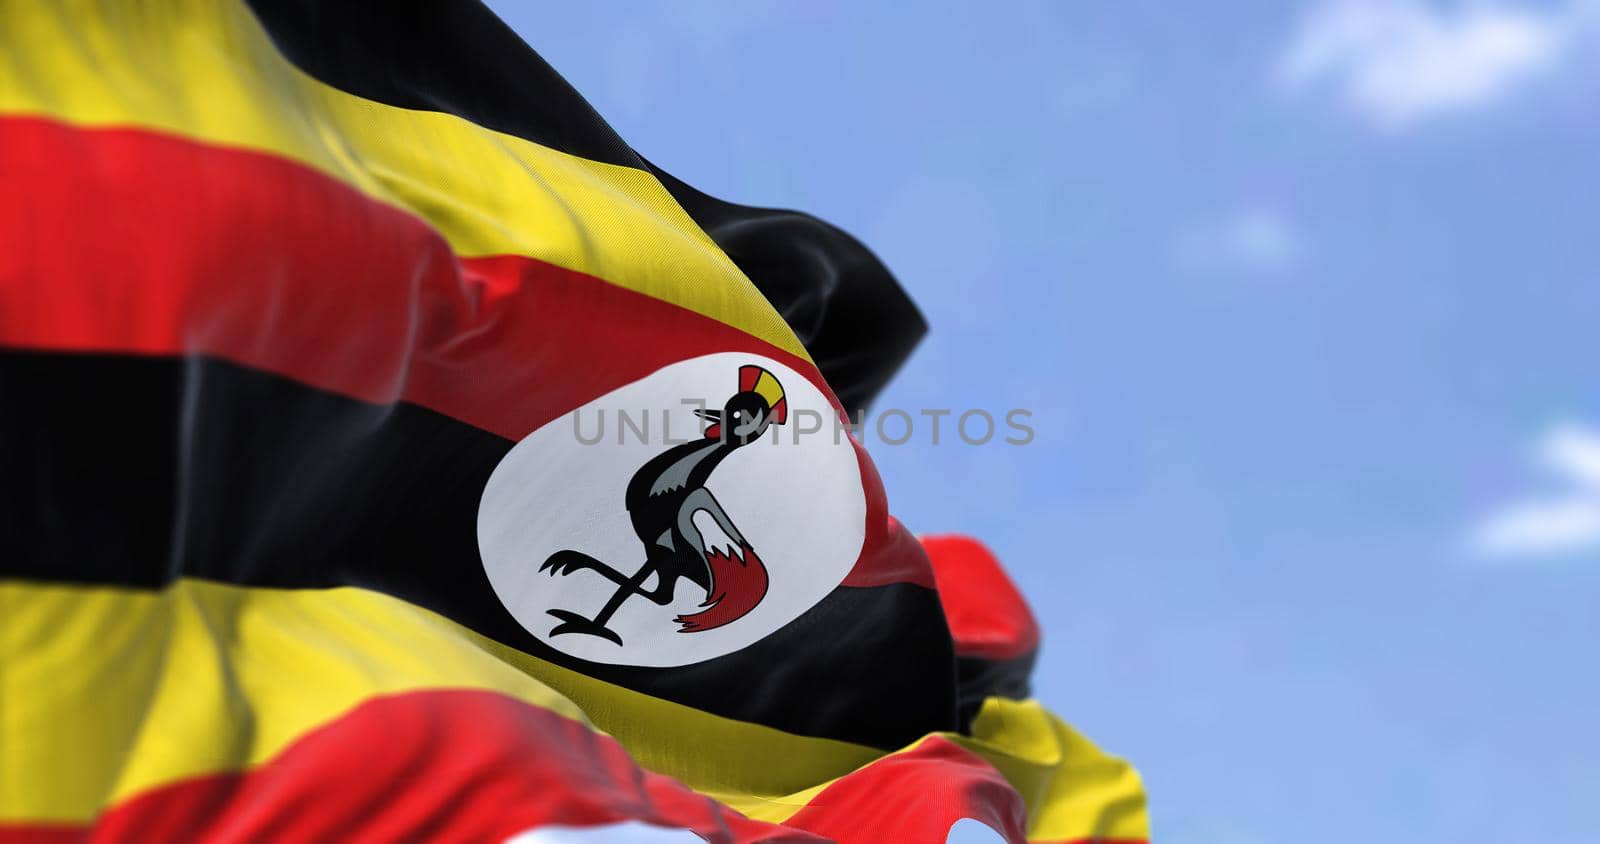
[759, 403]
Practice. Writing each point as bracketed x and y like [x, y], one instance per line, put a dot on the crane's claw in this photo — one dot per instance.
[565, 562]
[571, 622]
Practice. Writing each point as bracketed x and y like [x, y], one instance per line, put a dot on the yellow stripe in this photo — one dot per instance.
[1073, 789]
[206, 70]
[106, 692]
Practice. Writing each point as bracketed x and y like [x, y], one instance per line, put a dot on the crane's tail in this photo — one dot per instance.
[738, 583]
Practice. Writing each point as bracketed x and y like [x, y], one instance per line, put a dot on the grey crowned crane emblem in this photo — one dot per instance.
[662, 499]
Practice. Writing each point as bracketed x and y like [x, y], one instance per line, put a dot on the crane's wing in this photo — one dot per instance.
[738, 578]
[713, 539]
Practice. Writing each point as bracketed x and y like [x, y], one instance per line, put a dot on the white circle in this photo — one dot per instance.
[796, 497]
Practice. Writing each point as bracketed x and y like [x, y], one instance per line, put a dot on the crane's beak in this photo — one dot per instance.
[713, 430]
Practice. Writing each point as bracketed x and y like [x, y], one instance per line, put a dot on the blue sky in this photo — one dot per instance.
[1303, 297]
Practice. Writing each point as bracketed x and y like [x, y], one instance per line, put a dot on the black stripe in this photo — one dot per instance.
[841, 301]
[136, 471]
[979, 678]
[451, 56]
[455, 56]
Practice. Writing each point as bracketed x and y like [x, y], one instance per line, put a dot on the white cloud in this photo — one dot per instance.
[1398, 62]
[1252, 239]
[1574, 451]
[1563, 523]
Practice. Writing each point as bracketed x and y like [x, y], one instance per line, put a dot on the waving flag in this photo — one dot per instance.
[390, 453]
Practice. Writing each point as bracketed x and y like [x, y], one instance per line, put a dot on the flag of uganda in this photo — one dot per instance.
[389, 452]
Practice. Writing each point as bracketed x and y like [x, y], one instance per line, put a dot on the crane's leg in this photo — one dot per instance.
[572, 622]
[567, 562]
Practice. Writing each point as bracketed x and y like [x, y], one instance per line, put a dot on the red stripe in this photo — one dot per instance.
[131, 241]
[480, 766]
[987, 615]
[40, 833]
[915, 795]
[436, 766]
[454, 765]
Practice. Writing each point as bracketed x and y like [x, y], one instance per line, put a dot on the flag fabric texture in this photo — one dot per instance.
[389, 452]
